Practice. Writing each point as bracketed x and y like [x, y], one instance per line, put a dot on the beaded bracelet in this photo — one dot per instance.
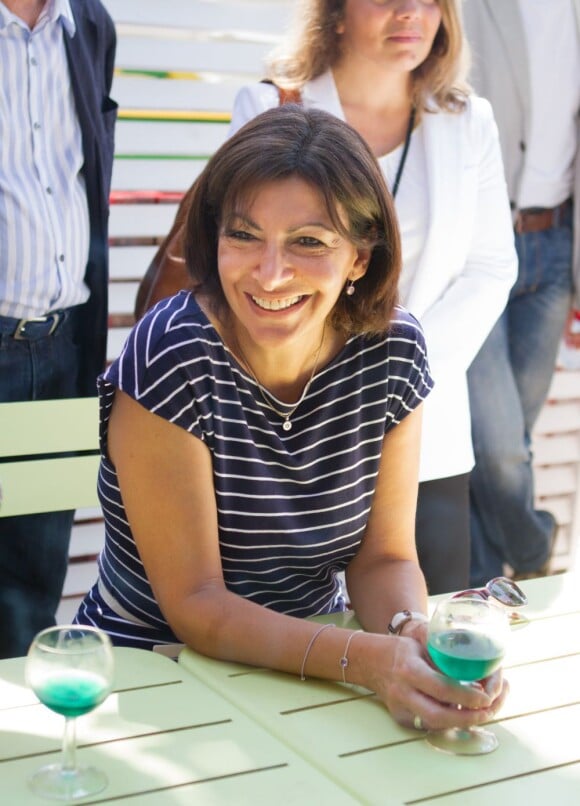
[344, 660]
[310, 645]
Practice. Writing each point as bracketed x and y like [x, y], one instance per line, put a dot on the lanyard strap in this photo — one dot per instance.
[403, 159]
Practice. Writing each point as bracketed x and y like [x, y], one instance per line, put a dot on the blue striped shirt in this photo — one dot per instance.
[292, 505]
[44, 220]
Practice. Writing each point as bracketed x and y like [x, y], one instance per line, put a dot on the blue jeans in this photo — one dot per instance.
[508, 385]
[34, 548]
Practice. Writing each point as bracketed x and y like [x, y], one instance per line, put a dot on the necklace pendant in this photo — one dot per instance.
[287, 425]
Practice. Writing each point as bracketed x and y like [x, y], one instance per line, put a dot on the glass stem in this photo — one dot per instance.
[69, 745]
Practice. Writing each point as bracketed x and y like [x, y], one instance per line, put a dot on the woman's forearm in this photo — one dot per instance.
[221, 625]
[385, 588]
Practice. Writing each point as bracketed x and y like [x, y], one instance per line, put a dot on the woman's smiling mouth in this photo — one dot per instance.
[276, 304]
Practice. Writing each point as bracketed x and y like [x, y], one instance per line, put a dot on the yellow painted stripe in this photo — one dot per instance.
[175, 115]
[184, 75]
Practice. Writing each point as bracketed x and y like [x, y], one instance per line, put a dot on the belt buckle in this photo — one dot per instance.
[19, 332]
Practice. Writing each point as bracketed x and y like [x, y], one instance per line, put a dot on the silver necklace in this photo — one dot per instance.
[266, 397]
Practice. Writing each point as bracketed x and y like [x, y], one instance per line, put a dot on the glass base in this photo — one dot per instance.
[459, 742]
[54, 783]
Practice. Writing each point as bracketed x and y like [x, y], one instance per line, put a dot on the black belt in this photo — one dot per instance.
[37, 327]
[538, 219]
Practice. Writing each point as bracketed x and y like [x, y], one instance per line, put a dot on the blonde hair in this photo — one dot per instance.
[314, 46]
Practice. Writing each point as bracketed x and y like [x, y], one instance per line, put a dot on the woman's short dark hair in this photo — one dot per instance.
[291, 141]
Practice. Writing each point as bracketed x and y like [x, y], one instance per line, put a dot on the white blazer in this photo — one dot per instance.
[468, 264]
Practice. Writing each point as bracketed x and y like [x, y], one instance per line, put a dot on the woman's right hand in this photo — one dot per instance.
[402, 675]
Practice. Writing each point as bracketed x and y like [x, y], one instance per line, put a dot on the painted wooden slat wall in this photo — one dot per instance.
[556, 446]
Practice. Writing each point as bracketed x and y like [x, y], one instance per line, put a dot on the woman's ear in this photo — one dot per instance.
[361, 263]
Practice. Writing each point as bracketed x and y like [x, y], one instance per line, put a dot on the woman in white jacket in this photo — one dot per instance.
[393, 69]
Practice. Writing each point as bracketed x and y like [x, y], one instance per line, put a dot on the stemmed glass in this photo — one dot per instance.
[70, 669]
[466, 640]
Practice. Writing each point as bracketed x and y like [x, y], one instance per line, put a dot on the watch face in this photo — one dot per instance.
[399, 619]
[403, 617]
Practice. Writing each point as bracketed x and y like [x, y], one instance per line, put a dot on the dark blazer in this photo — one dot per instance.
[91, 55]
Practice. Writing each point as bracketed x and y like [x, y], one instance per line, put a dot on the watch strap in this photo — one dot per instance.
[404, 617]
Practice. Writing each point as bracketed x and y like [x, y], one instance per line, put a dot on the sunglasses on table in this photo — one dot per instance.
[503, 590]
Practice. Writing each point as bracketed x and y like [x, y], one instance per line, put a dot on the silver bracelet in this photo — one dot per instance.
[310, 645]
[344, 660]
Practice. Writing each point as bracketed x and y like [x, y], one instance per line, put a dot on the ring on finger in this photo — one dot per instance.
[417, 722]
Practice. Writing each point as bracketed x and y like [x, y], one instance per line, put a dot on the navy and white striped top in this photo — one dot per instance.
[292, 505]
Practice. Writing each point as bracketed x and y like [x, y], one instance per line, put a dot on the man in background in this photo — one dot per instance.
[56, 153]
[526, 61]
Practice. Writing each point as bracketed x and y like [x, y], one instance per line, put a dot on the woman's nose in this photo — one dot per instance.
[408, 8]
[272, 270]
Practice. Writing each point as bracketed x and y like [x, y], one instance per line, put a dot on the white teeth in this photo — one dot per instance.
[276, 304]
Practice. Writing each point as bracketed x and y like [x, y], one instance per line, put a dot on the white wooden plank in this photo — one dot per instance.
[563, 537]
[122, 297]
[556, 480]
[199, 33]
[191, 55]
[260, 15]
[130, 262]
[80, 577]
[562, 550]
[67, 610]
[143, 92]
[116, 338]
[565, 385]
[87, 539]
[156, 174]
[557, 418]
[141, 220]
[163, 138]
[561, 506]
[88, 513]
[556, 449]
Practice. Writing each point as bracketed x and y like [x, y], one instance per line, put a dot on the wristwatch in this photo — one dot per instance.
[404, 617]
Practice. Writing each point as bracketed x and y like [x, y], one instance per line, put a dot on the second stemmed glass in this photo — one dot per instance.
[70, 669]
[466, 639]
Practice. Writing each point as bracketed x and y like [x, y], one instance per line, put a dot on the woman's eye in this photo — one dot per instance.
[307, 240]
[239, 235]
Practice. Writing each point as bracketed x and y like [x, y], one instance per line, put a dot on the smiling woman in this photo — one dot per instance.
[260, 434]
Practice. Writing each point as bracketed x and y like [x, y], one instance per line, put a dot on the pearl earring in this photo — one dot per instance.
[350, 289]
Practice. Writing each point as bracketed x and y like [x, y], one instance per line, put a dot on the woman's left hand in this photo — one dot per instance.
[416, 629]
